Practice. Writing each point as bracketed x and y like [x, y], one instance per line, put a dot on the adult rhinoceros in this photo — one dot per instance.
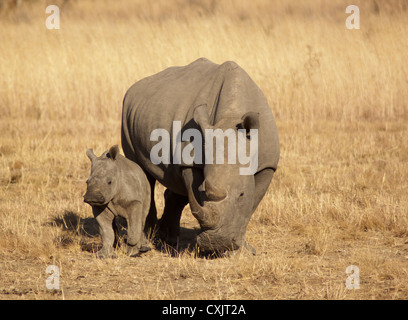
[202, 95]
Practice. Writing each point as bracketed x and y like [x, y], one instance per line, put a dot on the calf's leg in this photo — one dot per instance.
[136, 240]
[105, 219]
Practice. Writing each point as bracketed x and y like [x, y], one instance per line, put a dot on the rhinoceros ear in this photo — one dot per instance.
[250, 120]
[201, 117]
[113, 152]
[90, 154]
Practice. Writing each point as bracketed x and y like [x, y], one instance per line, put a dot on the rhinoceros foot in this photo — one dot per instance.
[136, 251]
[105, 253]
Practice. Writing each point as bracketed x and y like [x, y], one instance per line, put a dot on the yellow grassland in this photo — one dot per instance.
[340, 99]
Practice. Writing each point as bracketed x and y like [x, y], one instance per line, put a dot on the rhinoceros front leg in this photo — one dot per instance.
[169, 225]
[105, 219]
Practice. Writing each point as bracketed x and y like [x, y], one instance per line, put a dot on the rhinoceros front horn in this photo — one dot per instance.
[206, 215]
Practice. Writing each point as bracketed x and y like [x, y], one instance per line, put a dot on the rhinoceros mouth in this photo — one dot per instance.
[95, 203]
[217, 240]
[95, 199]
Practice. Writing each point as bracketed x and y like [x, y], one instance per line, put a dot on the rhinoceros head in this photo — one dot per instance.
[102, 184]
[223, 203]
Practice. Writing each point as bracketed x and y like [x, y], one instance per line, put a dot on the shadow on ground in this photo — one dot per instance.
[85, 231]
[187, 243]
[70, 221]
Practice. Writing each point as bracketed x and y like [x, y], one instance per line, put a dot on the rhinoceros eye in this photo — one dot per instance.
[109, 182]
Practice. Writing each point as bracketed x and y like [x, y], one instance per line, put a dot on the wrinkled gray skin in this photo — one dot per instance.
[202, 95]
[118, 187]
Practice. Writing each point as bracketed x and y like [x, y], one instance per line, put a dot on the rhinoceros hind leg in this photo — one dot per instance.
[151, 220]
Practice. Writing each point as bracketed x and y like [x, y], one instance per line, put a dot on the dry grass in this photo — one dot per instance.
[340, 98]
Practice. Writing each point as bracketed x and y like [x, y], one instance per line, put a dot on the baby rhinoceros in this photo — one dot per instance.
[118, 187]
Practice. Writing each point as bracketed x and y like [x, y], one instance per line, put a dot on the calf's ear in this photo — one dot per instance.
[90, 154]
[113, 152]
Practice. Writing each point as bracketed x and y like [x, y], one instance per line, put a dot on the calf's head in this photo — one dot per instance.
[102, 184]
